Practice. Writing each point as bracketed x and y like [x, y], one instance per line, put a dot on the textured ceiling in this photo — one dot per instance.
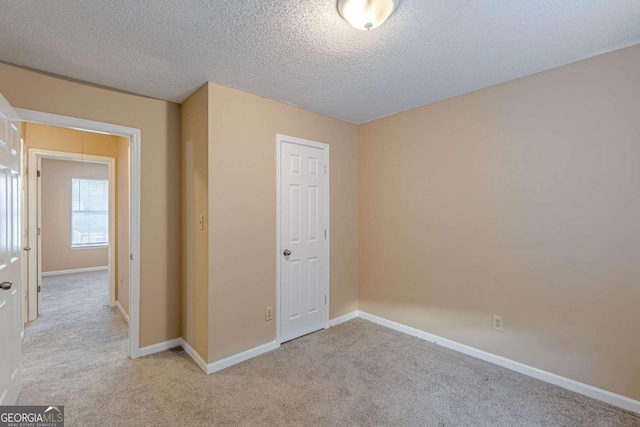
[301, 51]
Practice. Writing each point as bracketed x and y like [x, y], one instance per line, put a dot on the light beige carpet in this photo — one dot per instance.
[354, 374]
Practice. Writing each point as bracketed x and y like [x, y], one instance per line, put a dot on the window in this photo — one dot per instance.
[89, 212]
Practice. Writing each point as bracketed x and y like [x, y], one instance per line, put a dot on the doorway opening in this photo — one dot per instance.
[73, 223]
[102, 222]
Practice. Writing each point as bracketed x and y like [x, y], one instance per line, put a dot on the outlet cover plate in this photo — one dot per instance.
[498, 323]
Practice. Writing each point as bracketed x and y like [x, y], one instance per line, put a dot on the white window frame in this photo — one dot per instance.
[86, 246]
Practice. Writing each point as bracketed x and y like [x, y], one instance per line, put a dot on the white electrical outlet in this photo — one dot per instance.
[268, 314]
[498, 323]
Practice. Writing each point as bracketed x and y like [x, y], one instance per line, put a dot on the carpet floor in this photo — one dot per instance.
[354, 374]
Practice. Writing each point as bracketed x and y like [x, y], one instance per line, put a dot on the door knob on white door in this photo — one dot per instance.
[5, 286]
[286, 252]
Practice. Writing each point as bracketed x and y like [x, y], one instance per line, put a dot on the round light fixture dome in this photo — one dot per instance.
[366, 15]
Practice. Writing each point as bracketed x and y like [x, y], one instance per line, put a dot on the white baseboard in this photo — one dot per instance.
[210, 368]
[194, 355]
[74, 271]
[155, 348]
[581, 388]
[343, 318]
[122, 312]
[241, 357]
[569, 384]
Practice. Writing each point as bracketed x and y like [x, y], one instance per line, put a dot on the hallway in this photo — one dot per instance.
[76, 334]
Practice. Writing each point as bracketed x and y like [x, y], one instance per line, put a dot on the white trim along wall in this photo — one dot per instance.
[581, 388]
[122, 311]
[569, 384]
[75, 271]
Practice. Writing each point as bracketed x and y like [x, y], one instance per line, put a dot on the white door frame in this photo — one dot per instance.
[35, 256]
[134, 202]
[25, 238]
[280, 139]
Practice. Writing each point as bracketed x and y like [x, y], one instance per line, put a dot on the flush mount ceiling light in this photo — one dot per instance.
[366, 15]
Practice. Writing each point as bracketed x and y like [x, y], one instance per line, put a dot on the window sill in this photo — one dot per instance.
[87, 247]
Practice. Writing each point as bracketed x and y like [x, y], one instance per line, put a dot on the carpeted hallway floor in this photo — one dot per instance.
[354, 374]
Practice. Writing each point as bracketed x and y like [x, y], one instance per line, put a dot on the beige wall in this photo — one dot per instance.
[195, 139]
[56, 215]
[520, 200]
[122, 223]
[242, 198]
[160, 179]
[55, 138]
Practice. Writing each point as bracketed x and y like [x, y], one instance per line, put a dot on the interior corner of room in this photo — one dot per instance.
[475, 215]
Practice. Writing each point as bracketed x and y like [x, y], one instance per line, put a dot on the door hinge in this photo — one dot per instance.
[325, 300]
[38, 174]
[39, 288]
[325, 234]
[325, 169]
[39, 231]
[131, 257]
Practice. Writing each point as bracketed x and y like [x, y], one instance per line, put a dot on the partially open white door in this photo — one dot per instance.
[10, 255]
[303, 227]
